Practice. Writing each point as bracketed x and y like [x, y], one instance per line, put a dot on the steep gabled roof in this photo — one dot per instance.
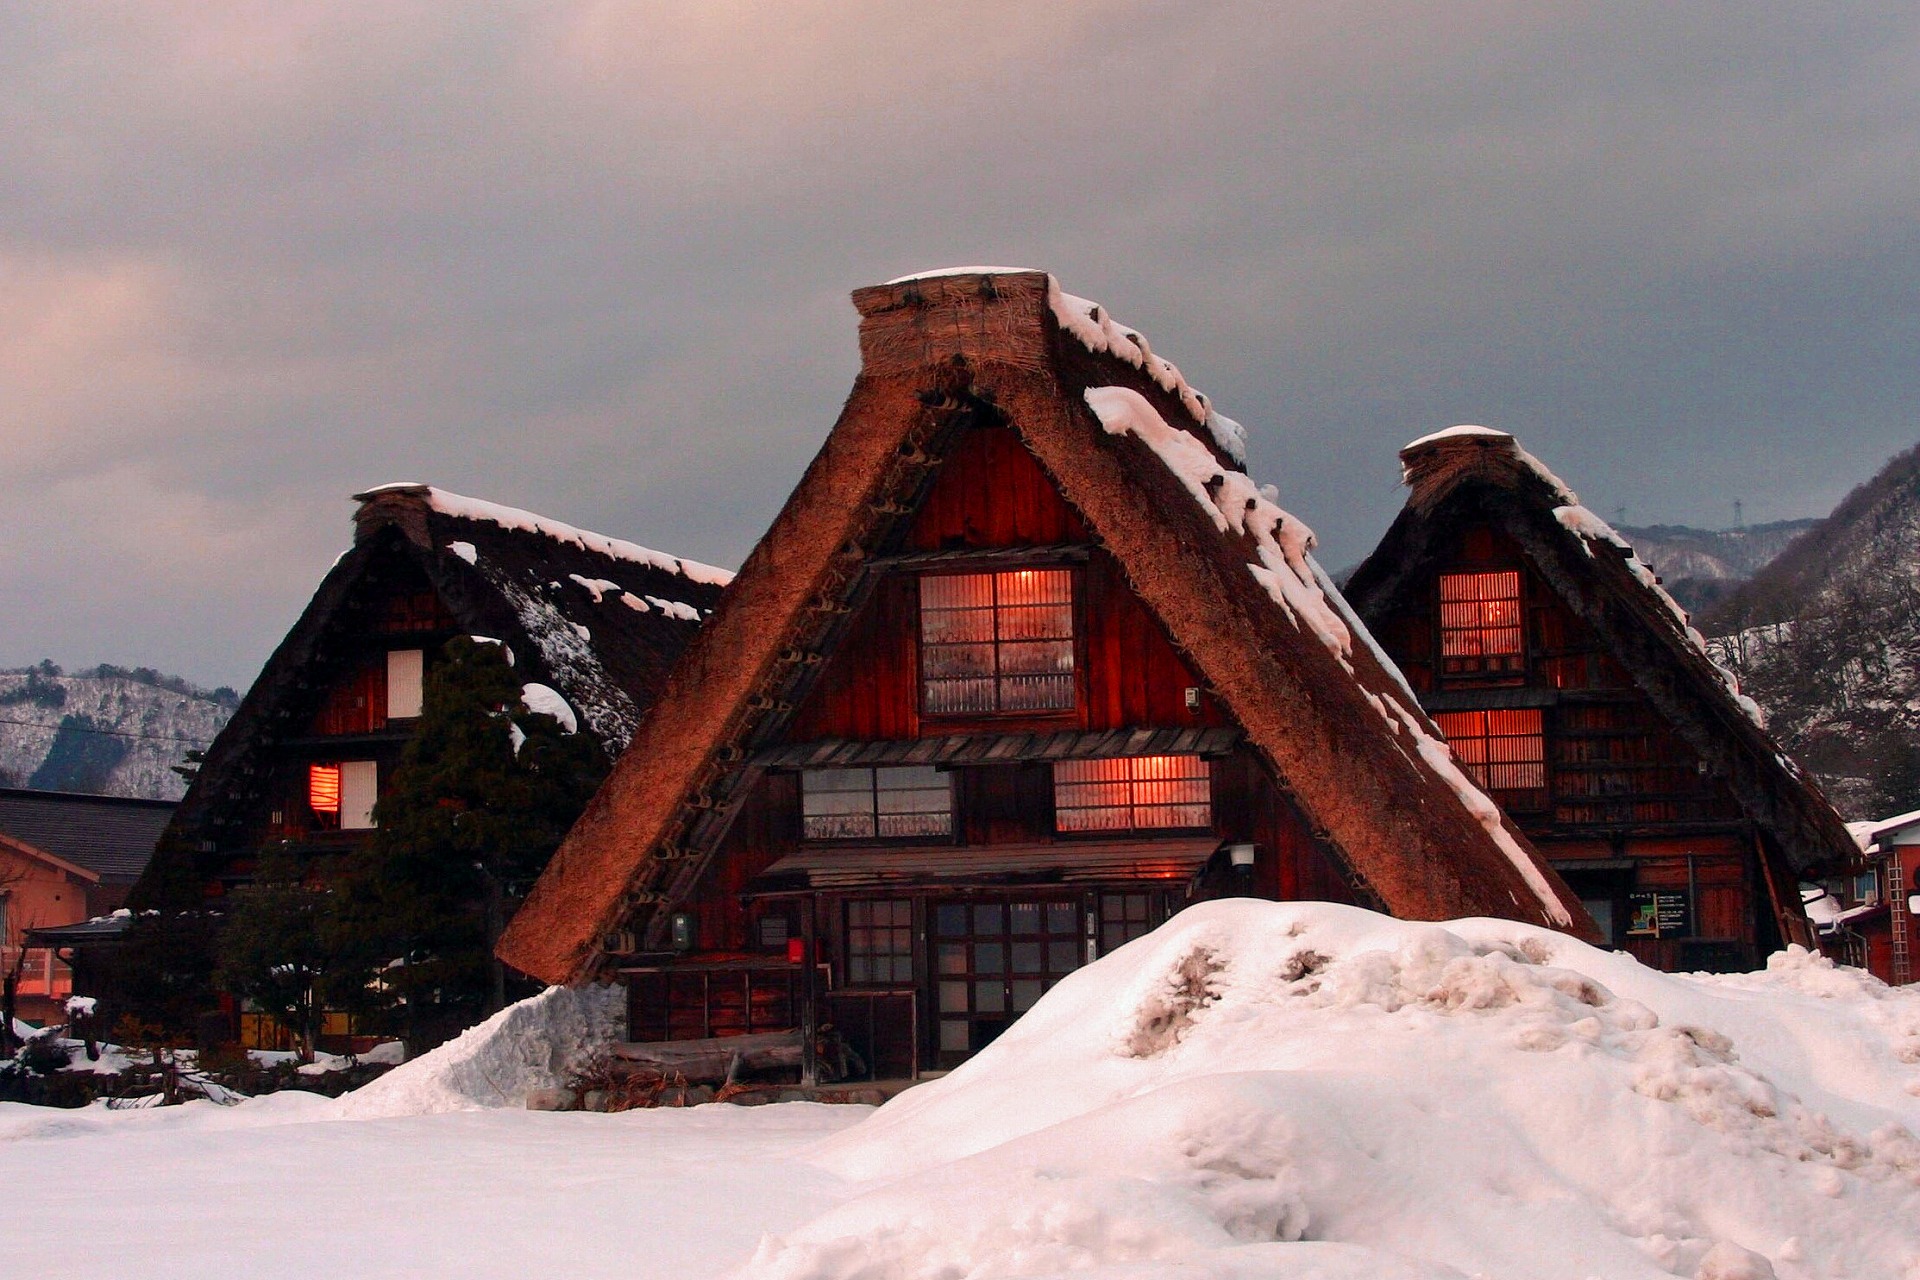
[1158, 477]
[1475, 474]
[597, 619]
[111, 837]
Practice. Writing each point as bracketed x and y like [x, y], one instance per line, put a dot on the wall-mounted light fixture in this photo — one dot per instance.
[681, 929]
[1242, 856]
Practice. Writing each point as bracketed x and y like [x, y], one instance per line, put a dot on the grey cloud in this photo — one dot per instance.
[593, 258]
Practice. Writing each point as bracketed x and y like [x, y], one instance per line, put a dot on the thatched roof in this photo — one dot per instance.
[1474, 475]
[598, 620]
[1157, 476]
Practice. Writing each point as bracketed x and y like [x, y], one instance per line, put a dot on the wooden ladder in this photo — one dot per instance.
[1899, 919]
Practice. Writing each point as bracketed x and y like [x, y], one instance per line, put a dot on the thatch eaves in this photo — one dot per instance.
[1476, 474]
[1158, 476]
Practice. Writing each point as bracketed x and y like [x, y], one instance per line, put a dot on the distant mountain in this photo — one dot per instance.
[1701, 567]
[108, 730]
[1826, 637]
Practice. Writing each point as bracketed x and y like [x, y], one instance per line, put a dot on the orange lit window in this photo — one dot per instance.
[997, 641]
[1131, 793]
[323, 788]
[1502, 751]
[1480, 623]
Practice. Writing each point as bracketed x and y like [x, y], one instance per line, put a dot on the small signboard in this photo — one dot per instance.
[1659, 913]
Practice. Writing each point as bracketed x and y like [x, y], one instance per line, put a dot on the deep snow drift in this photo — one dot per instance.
[1255, 1090]
[1310, 1090]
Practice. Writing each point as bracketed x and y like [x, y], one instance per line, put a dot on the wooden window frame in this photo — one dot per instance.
[1487, 665]
[1458, 727]
[874, 792]
[1075, 640]
[862, 933]
[1134, 805]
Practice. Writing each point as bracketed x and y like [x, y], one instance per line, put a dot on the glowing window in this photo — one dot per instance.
[1501, 751]
[323, 788]
[1131, 793]
[1480, 630]
[994, 642]
[856, 804]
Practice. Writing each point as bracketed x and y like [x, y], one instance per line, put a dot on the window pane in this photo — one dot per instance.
[953, 997]
[903, 968]
[836, 804]
[989, 957]
[951, 920]
[1060, 918]
[1132, 793]
[953, 957]
[916, 801]
[1023, 917]
[1026, 957]
[953, 1035]
[1481, 630]
[989, 997]
[1026, 992]
[988, 918]
[1063, 957]
[997, 641]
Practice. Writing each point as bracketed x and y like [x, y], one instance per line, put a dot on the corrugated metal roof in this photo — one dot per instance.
[1172, 858]
[111, 835]
[1000, 748]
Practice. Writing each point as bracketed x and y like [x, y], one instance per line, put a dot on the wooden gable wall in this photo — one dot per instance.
[991, 494]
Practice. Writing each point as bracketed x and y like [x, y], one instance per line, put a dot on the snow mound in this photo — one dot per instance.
[529, 1045]
[1302, 1089]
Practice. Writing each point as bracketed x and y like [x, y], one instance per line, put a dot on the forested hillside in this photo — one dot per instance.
[110, 730]
[1827, 639]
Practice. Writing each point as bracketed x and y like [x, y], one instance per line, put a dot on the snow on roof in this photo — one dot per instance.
[1878, 827]
[936, 272]
[1100, 333]
[465, 508]
[1289, 576]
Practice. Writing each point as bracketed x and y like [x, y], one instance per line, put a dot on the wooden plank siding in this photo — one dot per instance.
[991, 494]
[1623, 787]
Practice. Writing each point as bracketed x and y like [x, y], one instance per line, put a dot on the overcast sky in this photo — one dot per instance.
[593, 259]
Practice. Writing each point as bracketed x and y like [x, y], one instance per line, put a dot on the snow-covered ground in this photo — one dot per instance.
[1257, 1089]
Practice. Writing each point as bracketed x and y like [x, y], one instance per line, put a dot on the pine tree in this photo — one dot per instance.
[275, 948]
[481, 798]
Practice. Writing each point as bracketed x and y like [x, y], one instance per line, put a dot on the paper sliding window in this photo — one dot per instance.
[996, 642]
[868, 804]
[1502, 751]
[343, 795]
[1480, 624]
[1132, 793]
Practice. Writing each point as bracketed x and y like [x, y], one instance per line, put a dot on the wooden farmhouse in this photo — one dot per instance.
[1572, 688]
[592, 625]
[65, 860]
[1026, 663]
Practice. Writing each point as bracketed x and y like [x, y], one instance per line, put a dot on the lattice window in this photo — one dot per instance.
[1480, 624]
[1132, 793]
[323, 790]
[880, 942]
[1502, 751]
[866, 804]
[994, 642]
